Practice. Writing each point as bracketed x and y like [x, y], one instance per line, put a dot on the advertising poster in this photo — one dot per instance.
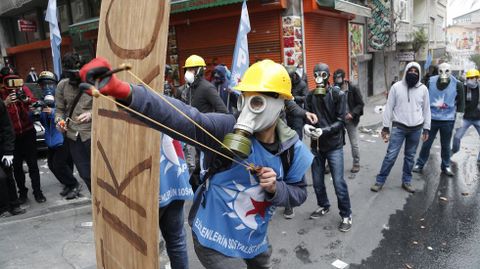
[357, 48]
[292, 41]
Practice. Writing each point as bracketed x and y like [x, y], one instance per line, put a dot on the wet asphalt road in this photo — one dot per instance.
[439, 226]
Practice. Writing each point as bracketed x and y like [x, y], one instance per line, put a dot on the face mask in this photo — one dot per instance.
[412, 79]
[339, 81]
[321, 79]
[257, 113]
[444, 73]
[472, 83]
[73, 76]
[189, 77]
[49, 95]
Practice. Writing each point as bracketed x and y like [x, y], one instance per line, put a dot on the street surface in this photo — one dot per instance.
[437, 227]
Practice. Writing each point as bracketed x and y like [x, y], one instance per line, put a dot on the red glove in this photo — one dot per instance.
[109, 85]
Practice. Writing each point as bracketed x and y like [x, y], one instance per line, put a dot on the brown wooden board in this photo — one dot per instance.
[125, 153]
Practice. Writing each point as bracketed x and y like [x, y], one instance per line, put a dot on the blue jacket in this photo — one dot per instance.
[53, 137]
[234, 181]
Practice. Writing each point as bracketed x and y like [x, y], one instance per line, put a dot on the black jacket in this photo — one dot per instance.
[330, 110]
[472, 108]
[204, 96]
[299, 92]
[355, 102]
[7, 135]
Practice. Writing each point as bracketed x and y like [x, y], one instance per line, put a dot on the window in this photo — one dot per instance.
[79, 11]
[403, 10]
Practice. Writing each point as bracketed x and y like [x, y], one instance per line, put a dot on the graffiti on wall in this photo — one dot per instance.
[379, 25]
[356, 32]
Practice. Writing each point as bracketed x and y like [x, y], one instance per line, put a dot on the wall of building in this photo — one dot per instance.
[393, 69]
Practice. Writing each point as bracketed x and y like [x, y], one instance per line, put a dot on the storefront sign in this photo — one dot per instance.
[379, 25]
[292, 41]
[26, 26]
[406, 56]
[178, 6]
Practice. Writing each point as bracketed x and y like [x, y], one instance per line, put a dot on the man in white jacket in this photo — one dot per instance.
[408, 111]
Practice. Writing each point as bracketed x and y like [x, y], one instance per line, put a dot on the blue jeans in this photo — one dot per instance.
[335, 161]
[171, 225]
[397, 136]
[446, 131]
[461, 132]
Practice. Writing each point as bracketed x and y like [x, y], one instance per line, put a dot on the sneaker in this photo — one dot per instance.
[289, 213]
[39, 197]
[22, 199]
[65, 191]
[448, 171]
[17, 210]
[376, 187]
[417, 169]
[408, 187]
[345, 225]
[319, 212]
[73, 193]
[355, 168]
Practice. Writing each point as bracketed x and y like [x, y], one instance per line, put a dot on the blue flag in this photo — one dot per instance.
[55, 37]
[428, 62]
[240, 54]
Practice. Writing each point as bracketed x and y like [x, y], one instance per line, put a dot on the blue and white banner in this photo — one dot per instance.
[55, 37]
[174, 174]
[240, 54]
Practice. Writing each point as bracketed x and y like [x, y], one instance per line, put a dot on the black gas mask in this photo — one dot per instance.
[339, 77]
[73, 76]
[321, 73]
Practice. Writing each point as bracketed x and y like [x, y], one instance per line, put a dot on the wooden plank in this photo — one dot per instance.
[126, 154]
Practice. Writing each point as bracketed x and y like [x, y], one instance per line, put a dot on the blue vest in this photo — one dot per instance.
[235, 217]
[174, 174]
[442, 103]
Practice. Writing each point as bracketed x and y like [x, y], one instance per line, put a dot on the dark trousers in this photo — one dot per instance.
[80, 152]
[171, 225]
[61, 164]
[446, 130]
[26, 150]
[8, 191]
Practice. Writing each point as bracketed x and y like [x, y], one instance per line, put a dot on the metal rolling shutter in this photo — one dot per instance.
[326, 40]
[214, 40]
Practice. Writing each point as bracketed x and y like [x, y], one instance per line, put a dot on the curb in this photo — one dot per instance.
[82, 206]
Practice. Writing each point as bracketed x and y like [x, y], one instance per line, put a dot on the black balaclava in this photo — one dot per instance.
[72, 63]
[294, 77]
[412, 78]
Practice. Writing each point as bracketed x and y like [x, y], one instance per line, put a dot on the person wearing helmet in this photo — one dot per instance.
[233, 206]
[73, 116]
[408, 112]
[471, 117]
[199, 92]
[58, 157]
[327, 140]
[446, 98]
[18, 98]
[354, 109]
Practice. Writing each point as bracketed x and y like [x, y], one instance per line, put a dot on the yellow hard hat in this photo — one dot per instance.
[194, 61]
[473, 73]
[266, 76]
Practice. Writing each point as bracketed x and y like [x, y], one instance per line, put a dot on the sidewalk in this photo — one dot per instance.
[371, 119]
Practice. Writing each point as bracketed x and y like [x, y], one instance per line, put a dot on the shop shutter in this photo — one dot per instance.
[214, 40]
[326, 40]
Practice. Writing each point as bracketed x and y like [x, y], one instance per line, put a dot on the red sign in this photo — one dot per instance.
[26, 26]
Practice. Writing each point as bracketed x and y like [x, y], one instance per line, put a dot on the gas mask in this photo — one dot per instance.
[444, 73]
[257, 113]
[472, 83]
[189, 77]
[49, 95]
[321, 80]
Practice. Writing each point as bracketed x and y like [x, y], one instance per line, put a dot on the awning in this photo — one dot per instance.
[178, 6]
[346, 6]
[83, 26]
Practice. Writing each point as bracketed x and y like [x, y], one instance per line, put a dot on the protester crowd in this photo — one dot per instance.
[262, 120]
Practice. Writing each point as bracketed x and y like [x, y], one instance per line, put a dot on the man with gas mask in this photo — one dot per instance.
[58, 157]
[472, 110]
[354, 109]
[233, 203]
[18, 98]
[408, 112]
[327, 141]
[73, 117]
[221, 81]
[446, 98]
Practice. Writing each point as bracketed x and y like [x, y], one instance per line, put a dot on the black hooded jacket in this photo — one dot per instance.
[203, 96]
